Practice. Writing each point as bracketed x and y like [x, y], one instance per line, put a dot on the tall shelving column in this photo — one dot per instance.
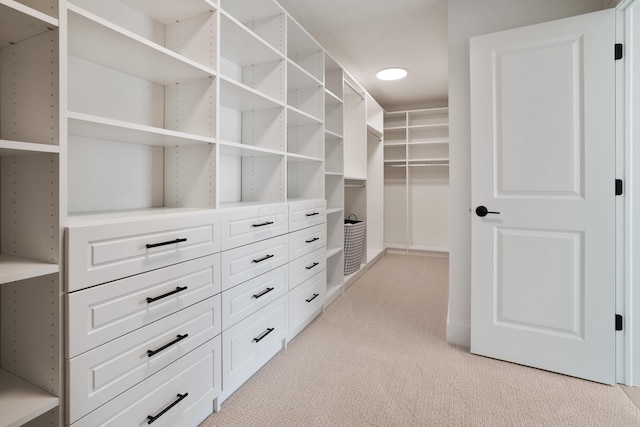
[375, 180]
[30, 212]
[417, 173]
[334, 176]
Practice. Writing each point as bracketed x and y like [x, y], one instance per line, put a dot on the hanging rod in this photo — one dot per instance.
[354, 186]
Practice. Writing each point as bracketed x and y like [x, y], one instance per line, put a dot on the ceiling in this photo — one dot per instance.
[365, 36]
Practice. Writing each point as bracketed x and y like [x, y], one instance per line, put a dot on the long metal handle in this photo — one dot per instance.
[262, 259]
[263, 293]
[264, 334]
[170, 242]
[262, 224]
[312, 298]
[312, 240]
[154, 352]
[312, 265]
[312, 214]
[178, 289]
[152, 418]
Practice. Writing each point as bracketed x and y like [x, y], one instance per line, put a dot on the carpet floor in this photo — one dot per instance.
[378, 357]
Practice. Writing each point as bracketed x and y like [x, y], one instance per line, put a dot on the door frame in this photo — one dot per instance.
[628, 206]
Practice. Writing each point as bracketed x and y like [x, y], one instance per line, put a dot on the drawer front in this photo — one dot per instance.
[101, 253]
[246, 225]
[306, 301]
[307, 240]
[251, 343]
[102, 313]
[307, 213]
[99, 375]
[245, 299]
[246, 262]
[306, 266]
[196, 376]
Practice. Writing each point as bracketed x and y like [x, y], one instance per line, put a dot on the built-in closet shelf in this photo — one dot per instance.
[299, 77]
[241, 97]
[168, 12]
[331, 98]
[337, 174]
[14, 268]
[334, 211]
[20, 401]
[236, 149]
[100, 41]
[19, 22]
[332, 135]
[17, 148]
[333, 252]
[298, 117]
[292, 157]
[114, 217]
[242, 46]
[90, 126]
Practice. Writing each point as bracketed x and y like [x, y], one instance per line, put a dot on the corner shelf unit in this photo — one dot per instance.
[30, 212]
[416, 179]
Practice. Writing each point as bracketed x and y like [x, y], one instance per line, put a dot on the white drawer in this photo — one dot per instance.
[249, 344]
[307, 240]
[241, 226]
[196, 376]
[308, 265]
[306, 302]
[99, 375]
[307, 213]
[102, 313]
[101, 252]
[246, 262]
[247, 298]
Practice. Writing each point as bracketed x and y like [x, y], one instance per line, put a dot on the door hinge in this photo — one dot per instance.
[619, 322]
[619, 187]
[618, 51]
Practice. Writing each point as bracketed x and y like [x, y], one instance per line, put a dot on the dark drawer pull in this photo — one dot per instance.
[263, 293]
[153, 352]
[262, 259]
[178, 289]
[263, 224]
[264, 334]
[312, 265]
[312, 298]
[312, 240]
[164, 411]
[155, 245]
[313, 214]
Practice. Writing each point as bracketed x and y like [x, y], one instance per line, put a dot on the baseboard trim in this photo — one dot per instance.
[459, 335]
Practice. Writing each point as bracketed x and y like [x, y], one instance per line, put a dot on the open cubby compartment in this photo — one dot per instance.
[304, 50]
[335, 276]
[263, 17]
[305, 178]
[304, 92]
[438, 152]
[395, 136]
[375, 115]
[429, 208]
[395, 153]
[428, 117]
[250, 176]
[305, 135]
[48, 7]
[395, 206]
[429, 134]
[333, 114]
[249, 118]
[334, 191]
[333, 77]
[395, 120]
[28, 83]
[335, 231]
[188, 27]
[30, 374]
[247, 59]
[333, 154]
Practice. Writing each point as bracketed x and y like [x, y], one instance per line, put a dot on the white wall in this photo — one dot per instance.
[466, 19]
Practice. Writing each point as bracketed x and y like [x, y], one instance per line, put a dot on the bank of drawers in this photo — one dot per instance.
[159, 305]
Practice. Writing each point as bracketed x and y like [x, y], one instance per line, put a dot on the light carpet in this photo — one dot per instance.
[378, 357]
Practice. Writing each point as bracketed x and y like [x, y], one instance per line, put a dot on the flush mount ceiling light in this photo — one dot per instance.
[392, 74]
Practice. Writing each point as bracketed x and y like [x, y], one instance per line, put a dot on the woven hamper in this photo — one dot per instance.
[353, 244]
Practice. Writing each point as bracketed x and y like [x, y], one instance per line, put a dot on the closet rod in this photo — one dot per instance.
[354, 186]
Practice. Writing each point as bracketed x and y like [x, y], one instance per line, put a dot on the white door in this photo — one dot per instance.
[542, 146]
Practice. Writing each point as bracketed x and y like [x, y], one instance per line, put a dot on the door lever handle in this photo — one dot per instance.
[483, 211]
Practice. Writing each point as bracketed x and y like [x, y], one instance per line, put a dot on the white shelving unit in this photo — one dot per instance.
[30, 212]
[416, 179]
